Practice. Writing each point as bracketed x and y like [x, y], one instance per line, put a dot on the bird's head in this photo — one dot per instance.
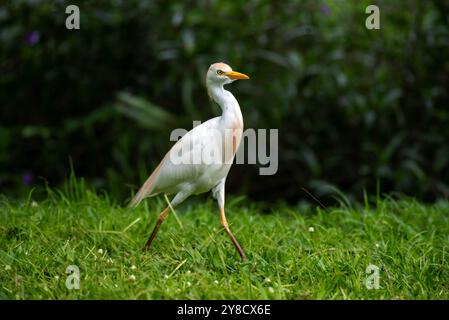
[220, 74]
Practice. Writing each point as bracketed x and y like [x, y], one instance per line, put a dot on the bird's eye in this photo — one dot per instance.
[220, 72]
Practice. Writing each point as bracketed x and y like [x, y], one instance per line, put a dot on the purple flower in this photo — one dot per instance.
[27, 178]
[31, 38]
[326, 10]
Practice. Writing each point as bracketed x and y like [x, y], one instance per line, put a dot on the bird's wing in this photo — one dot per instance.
[183, 163]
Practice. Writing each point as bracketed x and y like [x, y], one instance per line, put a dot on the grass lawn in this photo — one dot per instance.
[293, 253]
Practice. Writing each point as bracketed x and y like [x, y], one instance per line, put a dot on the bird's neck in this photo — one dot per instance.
[232, 115]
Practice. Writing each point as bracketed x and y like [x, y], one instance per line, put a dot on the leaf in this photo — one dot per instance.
[145, 113]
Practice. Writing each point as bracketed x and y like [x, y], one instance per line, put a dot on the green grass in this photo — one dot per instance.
[192, 258]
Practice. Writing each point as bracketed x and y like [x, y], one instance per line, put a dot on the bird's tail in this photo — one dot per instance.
[146, 190]
[137, 199]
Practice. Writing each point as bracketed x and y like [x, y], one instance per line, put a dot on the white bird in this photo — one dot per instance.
[200, 161]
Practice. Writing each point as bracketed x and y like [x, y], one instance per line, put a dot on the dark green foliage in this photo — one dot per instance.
[356, 109]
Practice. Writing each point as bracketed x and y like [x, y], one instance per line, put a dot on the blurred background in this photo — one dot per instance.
[357, 110]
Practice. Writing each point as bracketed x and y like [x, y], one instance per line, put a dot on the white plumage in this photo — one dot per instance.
[200, 161]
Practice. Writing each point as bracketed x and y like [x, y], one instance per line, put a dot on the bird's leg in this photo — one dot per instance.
[224, 223]
[161, 219]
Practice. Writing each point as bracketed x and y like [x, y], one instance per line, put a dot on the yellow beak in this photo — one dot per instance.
[234, 75]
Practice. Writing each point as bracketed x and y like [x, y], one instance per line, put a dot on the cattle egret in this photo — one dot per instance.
[214, 143]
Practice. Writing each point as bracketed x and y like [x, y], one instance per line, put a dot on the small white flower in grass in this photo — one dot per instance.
[132, 277]
[133, 267]
[216, 281]
[7, 267]
[34, 204]
[188, 284]
[100, 251]
[311, 229]
[270, 290]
